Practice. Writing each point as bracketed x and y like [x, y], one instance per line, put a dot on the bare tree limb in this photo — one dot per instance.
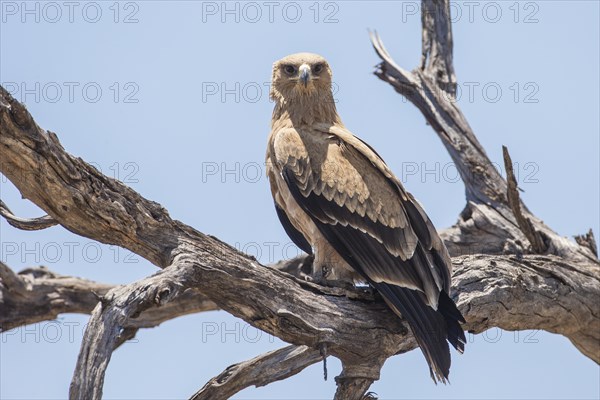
[437, 52]
[356, 379]
[588, 240]
[482, 181]
[514, 200]
[533, 280]
[37, 164]
[38, 294]
[260, 371]
[272, 301]
[532, 292]
[26, 224]
[540, 291]
[108, 322]
[487, 224]
[352, 387]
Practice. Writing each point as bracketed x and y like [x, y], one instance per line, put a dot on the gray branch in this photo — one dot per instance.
[488, 223]
[436, 57]
[514, 201]
[26, 224]
[108, 324]
[38, 294]
[588, 240]
[260, 371]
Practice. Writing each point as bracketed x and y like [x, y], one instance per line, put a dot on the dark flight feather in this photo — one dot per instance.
[364, 244]
[293, 233]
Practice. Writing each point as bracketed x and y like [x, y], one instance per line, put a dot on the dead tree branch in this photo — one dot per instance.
[260, 371]
[109, 320]
[488, 223]
[514, 201]
[26, 224]
[588, 240]
[38, 294]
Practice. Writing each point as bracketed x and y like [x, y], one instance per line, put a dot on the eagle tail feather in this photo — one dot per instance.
[453, 317]
[432, 329]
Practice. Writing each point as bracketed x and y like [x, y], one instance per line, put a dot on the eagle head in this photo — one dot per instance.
[299, 76]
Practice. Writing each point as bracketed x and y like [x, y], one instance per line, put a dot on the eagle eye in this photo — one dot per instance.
[318, 68]
[289, 69]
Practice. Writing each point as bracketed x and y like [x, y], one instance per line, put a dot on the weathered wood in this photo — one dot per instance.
[509, 292]
[588, 240]
[487, 224]
[26, 224]
[260, 371]
[514, 201]
[38, 294]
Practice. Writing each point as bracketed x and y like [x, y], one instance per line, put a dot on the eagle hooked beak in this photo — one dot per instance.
[304, 74]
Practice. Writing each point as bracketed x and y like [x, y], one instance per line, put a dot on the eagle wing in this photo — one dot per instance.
[380, 230]
[362, 210]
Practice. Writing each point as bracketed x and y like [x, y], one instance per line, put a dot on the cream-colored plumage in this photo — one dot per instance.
[337, 198]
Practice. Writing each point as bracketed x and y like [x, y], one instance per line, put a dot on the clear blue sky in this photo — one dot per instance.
[172, 98]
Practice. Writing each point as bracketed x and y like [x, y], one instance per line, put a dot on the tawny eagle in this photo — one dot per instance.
[336, 197]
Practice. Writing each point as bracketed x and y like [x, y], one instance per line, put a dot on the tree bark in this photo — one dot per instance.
[260, 371]
[38, 294]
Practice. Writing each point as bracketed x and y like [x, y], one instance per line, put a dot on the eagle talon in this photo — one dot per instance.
[370, 290]
[336, 283]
